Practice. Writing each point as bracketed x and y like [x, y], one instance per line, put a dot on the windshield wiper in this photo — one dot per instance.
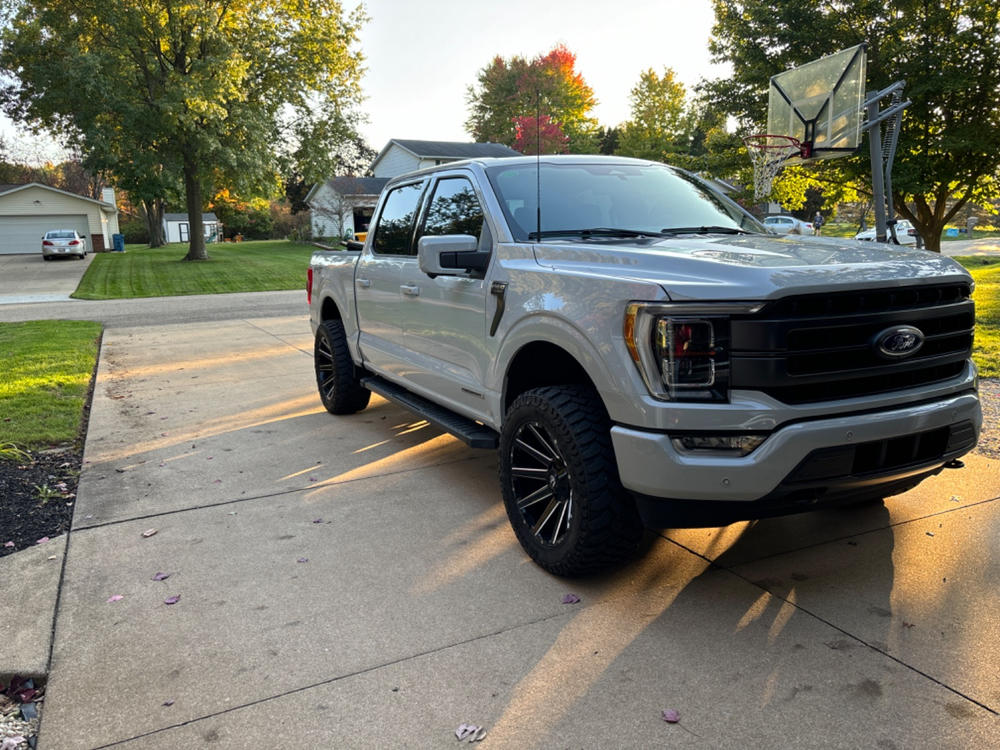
[596, 232]
[703, 230]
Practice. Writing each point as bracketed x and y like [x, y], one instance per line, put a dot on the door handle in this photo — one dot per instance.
[364, 283]
[411, 289]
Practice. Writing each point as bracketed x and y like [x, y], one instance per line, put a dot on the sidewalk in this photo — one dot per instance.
[353, 582]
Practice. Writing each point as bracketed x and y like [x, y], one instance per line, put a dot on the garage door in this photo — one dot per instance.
[23, 234]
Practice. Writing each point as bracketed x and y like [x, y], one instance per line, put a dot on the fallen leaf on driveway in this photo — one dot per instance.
[161, 576]
[172, 599]
[317, 520]
[115, 598]
[671, 716]
[570, 599]
[168, 703]
[148, 533]
[303, 559]
[43, 540]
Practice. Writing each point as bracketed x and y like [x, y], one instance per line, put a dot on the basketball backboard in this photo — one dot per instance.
[820, 104]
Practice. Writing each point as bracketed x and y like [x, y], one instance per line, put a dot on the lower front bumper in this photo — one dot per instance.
[839, 452]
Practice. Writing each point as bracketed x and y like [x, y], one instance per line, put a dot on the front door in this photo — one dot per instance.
[444, 318]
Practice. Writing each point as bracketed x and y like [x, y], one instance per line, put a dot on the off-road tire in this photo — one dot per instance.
[337, 379]
[601, 527]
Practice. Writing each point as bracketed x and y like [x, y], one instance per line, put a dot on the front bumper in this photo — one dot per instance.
[804, 456]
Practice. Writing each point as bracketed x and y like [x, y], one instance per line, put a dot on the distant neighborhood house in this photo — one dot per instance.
[29, 211]
[177, 227]
[401, 156]
[343, 206]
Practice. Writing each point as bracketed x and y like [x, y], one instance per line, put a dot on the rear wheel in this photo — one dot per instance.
[337, 378]
[560, 482]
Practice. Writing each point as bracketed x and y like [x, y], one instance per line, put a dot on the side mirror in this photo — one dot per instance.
[449, 254]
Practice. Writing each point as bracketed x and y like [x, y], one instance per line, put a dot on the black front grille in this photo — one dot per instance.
[881, 457]
[823, 347]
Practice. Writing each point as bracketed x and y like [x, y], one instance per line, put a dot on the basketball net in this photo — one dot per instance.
[768, 154]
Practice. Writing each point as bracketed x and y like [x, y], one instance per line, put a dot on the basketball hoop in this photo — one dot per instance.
[768, 154]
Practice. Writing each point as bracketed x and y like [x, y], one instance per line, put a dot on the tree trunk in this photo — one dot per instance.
[196, 230]
[152, 213]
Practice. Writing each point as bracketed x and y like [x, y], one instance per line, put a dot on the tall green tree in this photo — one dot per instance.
[507, 91]
[949, 55]
[192, 91]
[661, 122]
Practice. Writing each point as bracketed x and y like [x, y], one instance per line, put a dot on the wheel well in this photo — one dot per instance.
[329, 311]
[539, 364]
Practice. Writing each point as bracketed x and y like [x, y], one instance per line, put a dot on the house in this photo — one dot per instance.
[402, 156]
[342, 206]
[177, 227]
[29, 211]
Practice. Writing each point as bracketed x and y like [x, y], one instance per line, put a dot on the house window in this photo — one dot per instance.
[183, 229]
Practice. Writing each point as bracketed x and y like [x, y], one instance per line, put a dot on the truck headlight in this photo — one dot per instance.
[682, 350]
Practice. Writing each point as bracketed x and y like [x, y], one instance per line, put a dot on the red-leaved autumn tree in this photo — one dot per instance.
[539, 136]
[510, 92]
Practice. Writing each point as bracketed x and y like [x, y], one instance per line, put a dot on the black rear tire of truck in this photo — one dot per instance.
[337, 378]
[560, 482]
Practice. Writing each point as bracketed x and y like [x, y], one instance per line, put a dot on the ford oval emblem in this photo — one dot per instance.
[899, 342]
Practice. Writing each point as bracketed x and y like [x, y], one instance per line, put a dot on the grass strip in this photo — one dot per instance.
[259, 266]
[47, 368]
[986, 350]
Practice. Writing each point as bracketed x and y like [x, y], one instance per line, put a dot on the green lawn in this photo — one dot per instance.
[986, 352]
[47, 369]
[259, 266]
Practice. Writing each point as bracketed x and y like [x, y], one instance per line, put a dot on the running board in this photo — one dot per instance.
[472, 433]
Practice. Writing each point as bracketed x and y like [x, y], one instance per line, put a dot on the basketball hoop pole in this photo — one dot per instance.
[882, 172]
[878, 176]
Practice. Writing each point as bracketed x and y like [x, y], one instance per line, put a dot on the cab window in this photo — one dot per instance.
[454, 209]
[394, 232]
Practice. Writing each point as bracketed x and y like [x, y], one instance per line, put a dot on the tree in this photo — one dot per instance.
[508, 91]
[166, 91]
[539, 135]
[949, 55]
[661, 122]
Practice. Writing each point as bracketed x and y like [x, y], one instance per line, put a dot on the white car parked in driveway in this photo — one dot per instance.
[905, 233]
[788, 225]
[57, 242]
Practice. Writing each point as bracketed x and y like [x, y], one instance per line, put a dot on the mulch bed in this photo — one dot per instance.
[37, 497]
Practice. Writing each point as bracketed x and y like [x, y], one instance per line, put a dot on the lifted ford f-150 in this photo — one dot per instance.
[641, 350]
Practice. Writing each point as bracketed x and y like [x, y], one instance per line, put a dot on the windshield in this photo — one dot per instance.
[635, 198]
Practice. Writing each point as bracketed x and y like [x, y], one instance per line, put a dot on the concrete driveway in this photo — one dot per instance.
[29, 278]
[353, 582]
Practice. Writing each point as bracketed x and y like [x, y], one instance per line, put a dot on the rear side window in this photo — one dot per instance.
[395, 224]
[454, 209]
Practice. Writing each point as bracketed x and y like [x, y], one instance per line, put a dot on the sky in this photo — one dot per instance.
[422, 56]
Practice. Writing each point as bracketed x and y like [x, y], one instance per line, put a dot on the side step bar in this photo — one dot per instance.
[472, 433]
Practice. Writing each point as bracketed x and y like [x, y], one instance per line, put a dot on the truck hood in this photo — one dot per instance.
[750, 267]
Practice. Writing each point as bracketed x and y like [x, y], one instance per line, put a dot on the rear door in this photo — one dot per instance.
[377, 278]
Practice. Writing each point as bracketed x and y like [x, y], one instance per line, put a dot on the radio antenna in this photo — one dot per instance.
[538, 166]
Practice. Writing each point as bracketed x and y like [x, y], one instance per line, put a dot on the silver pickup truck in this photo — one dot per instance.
[642, 351]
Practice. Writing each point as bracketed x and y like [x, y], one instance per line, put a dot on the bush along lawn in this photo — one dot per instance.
[986, 351]
[43, 401]
[260, 266]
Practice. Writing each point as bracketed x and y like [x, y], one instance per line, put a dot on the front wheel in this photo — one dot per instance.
[336, 376]
[560, 482]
